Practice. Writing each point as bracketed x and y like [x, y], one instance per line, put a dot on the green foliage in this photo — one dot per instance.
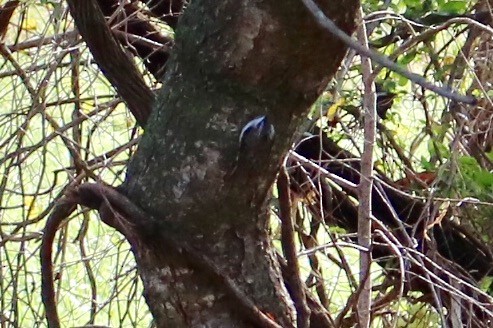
[471, 180]
[454, 7]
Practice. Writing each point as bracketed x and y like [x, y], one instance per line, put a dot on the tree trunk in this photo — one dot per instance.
[207, 259]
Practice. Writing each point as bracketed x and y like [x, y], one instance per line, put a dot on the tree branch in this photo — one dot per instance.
[6, 12]
[61, 211]
[137, 33]
[114, 63]
[167, 10]
[94, 196]
[366, 183]
[292, 273]
[121, 213]
[331, 27]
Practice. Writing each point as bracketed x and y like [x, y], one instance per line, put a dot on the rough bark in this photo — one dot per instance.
[233, 61]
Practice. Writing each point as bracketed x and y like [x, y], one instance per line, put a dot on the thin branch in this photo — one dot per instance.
[331, 27]
[366, 183]
[292, 273]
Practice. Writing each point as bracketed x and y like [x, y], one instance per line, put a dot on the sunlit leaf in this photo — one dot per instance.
[29, 24]
[333, 109]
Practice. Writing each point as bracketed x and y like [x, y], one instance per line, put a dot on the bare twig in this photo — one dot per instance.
[331, 27]
[366, 183]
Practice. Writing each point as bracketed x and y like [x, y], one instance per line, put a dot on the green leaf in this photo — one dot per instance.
[454, 7]
[483, 178]
[426, 165]
[407, 58]
[402, 81]
[468, 161]
[486, 283]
